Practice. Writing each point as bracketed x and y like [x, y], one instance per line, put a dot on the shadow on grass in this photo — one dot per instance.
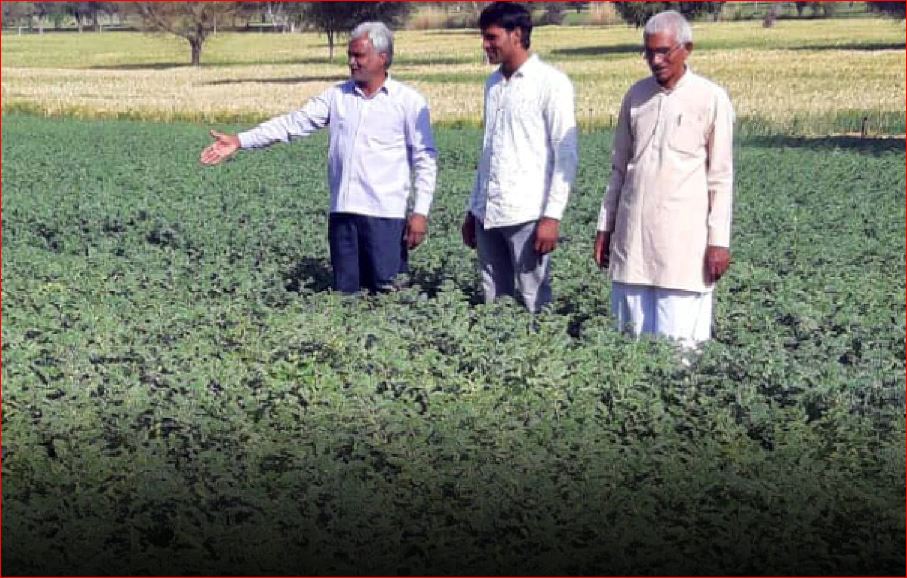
[870, 46]
[433, 61]
[309, 274]
[141, 66]
[338, 61]
[431, 284]
[599, 50]
[314, 275]
[288, 80]
[868, 145]
[454, 32]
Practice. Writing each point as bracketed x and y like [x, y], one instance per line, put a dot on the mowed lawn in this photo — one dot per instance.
[183, 394]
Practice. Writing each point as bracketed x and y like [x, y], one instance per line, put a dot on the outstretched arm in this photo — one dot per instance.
[223, 147]
[303, 122]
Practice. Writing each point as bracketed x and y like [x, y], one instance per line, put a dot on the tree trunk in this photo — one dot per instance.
[330, 34]
[196, 45]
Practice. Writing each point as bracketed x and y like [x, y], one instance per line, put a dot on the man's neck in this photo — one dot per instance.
[514, 64]
[370, 88]
[672, 83]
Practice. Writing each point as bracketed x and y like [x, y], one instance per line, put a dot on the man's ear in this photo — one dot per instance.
[518, 34]
[689, 47]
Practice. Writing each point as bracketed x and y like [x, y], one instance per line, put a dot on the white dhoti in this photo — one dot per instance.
[685, 316]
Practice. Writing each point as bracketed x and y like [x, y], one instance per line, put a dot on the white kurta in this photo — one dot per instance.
[671, 184]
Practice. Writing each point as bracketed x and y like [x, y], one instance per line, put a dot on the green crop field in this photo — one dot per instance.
[182, 394]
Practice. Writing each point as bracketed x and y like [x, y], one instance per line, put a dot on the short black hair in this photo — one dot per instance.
[509, 16]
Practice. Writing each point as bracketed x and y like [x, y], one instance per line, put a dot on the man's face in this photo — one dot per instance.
[499, 44]
[666, 57]
[366, 64]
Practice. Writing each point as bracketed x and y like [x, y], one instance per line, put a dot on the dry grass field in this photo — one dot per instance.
[801, 77]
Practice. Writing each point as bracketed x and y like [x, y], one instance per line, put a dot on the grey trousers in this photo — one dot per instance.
[510, 266]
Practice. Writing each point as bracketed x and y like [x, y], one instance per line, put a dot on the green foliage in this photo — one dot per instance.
[553, 13]
[183, 395]
[191, 21]
[892, 9]
[817, 9]
[340, 17]
[638, 13]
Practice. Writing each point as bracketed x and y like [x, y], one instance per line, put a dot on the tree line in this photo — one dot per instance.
[196, 21]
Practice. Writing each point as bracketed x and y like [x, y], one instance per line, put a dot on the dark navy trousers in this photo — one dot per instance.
[366, 252]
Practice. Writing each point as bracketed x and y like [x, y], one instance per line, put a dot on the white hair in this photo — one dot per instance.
[670, 21]
[380, 36]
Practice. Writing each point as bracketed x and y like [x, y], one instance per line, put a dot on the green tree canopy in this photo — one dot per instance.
[893, 9]
[334, 18]
[638, 13]
[193, 21]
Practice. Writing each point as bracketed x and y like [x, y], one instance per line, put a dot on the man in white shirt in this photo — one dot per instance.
[380, 131]
[528, 162]
[665, 223]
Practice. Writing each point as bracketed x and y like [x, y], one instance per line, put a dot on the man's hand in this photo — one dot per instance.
[717, 261]
[601, 252]
[468, 231]
[546, 235]
[223, 146]
[416, 228]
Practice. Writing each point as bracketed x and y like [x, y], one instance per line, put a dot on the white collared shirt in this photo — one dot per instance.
[529, 151]
[374, 143]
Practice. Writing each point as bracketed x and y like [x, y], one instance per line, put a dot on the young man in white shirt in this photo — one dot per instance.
[528, 162]
[380, 130]
[665, 223]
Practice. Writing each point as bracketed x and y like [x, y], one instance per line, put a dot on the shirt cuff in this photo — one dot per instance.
[602, 221]
[554, 210]
[719, 238]
[422, 204]
[245, 140]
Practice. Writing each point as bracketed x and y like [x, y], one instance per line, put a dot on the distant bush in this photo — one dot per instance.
[428, 18]
[637, 13]
[465, 19]
[893, 9]
[553, 13]
[603, 13]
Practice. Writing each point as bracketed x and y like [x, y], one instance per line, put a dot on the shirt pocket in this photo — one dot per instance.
[687, 133]
[385, 132]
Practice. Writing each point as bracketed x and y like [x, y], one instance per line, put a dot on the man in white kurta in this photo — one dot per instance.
[664, 225]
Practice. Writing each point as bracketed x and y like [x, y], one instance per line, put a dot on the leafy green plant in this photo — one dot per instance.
[183, 394]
